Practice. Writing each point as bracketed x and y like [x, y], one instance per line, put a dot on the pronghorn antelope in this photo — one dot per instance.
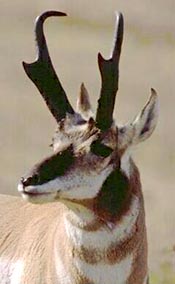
[84, 222]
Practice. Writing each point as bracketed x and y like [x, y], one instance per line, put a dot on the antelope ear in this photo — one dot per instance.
[146, 121]
[83, 103]
[143, 125]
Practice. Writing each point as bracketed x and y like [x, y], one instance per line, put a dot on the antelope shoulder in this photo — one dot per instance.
[27, 231]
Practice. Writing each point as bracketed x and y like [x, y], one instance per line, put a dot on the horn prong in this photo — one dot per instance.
[43, 75]
[109, 70]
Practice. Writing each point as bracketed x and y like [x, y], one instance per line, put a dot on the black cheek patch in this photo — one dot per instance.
[114, 196]
[52, 167]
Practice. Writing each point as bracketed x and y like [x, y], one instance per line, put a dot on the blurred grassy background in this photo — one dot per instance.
[148, 60]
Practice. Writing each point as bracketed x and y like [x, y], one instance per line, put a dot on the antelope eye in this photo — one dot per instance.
[100, 149]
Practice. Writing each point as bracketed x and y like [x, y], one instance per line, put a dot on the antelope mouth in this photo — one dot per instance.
[32, 194]
[35, 193]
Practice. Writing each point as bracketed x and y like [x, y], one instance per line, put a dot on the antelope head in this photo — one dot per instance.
[86, 149]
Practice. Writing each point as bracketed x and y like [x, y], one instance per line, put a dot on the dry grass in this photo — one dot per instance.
[147, 61]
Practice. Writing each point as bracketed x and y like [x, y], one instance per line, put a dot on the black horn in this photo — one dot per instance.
[43, 75]
[109, 70]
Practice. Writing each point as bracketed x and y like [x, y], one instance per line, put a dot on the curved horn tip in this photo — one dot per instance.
[50, 13]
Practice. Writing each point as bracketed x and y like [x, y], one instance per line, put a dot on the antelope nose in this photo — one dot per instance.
[25, 181]
[31, 180]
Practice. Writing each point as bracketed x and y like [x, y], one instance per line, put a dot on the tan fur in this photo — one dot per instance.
[77, 238]
[87, 221]
[33, 232]
[22, 223]
[135, 243]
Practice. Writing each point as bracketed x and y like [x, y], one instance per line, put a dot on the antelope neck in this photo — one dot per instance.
[112, 202]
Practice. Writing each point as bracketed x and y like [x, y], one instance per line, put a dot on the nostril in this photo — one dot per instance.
[24, 181]
[31, 180]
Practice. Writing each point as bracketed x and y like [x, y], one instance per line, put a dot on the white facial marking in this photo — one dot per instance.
[107, 274]
[82, 186]
[73, 185]
[125, 163]
[102, 238]
[80, 215]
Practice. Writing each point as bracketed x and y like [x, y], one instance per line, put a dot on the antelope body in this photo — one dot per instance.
[84, 219]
